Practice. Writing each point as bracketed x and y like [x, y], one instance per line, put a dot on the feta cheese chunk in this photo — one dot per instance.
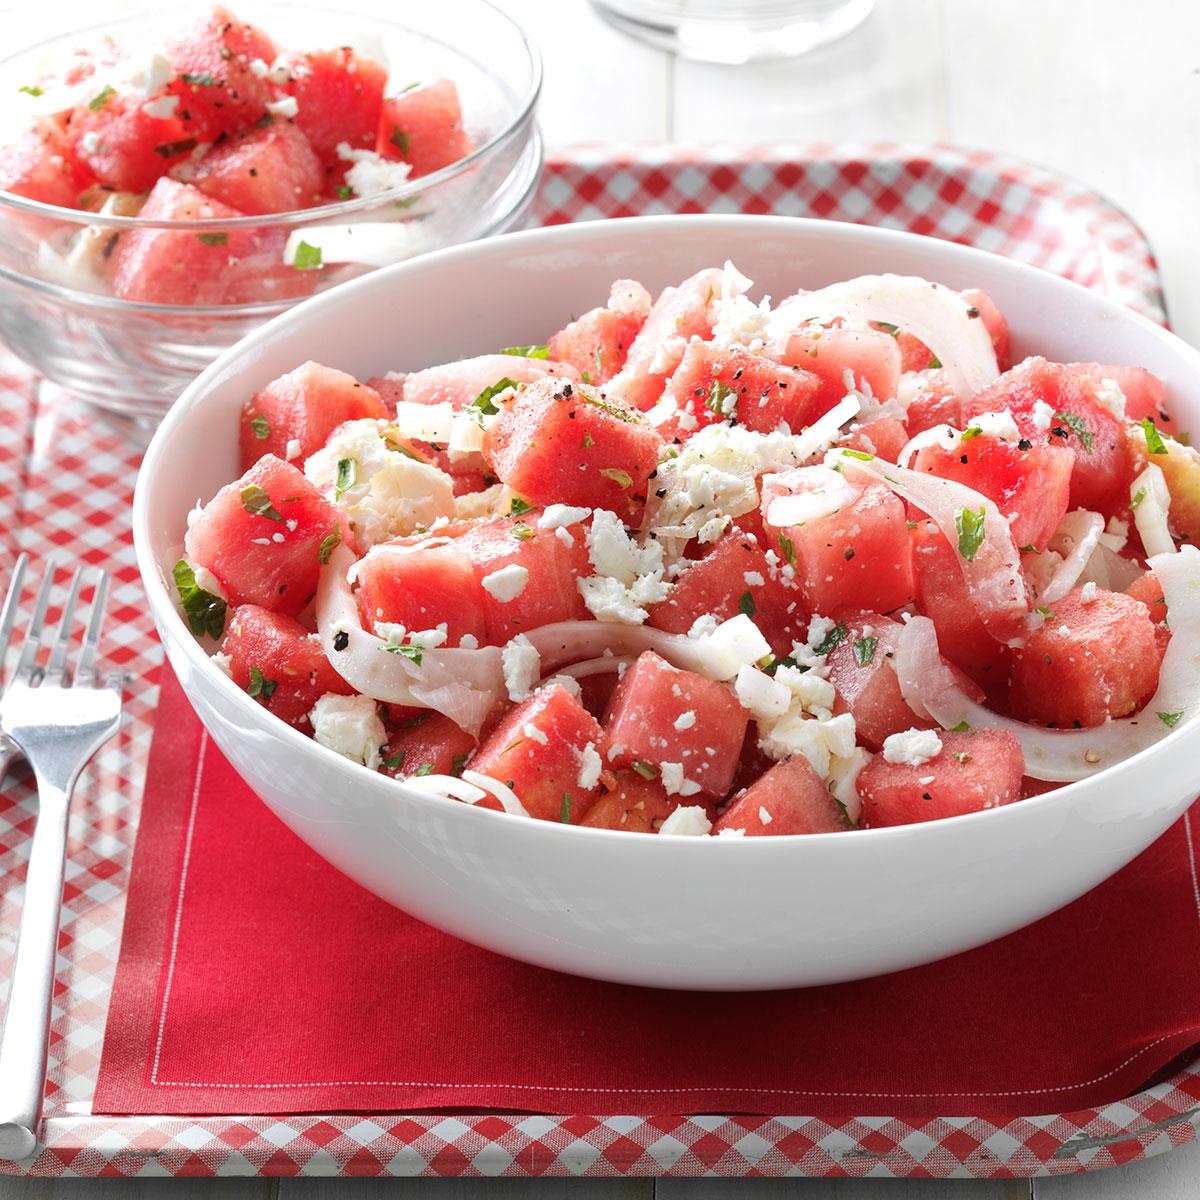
[522, 665]
[349, 726]
[507, 583]
[674, 782]
[913, 747]
[691, 822]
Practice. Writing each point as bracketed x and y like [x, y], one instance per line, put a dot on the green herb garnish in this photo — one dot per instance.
[1170, 719]
[645, 770]
[413, 653]
[619, 477]
[260, 685]
[198, 80]
[213, 239]
[395, 761]
[31, 90]
[522, 532]
[722, 399]
[970, 526]
[484, 401]
[261, 427]
[329, 543]
[306, 257]
[344, 192]
[347, 477]
[97, 102]
[457, 762]
[859, 454]
[1077, 427]
[961, 727]
[400, 140]
[565, 814]
[526, 351]
[1154, 441]
[1138, 497]
[258, 504]
[746, 605]
[424, 769]
[786, 548]
[833, 638]
[517, 506]
[971, 431]
[864, 650]
[205, 612]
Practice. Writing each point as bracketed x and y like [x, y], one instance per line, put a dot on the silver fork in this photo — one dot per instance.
[57, 722]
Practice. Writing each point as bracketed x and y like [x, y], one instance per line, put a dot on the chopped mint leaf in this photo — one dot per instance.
[205, 612]
[621, 478]
[746, 605]
[970, 526]
[935, 363]
[457, 762]
[261, 427]
[97, 102]
[1138, 497]
[484, 401]
[833, 638]
[306, 257]
[260, 685]
[527, 351]
[1170, 719]
[565, 815]
[971, 431]
[961, 727]
[864, 650]
[347, 477]
[1045, 612]
[722, 399]
[412, 653]
[329, 543]
[424, 769]
[258, 504]
[395, 761]
[858, 454]
[588, 441]
[1077, 427]
[786, 548]
[602, 404]
[198, 80]
[400, 140]
[213, 239]
[344, 192]
[645, 770]
[1154, 441]
[31, 90]
[517, 506]
[522, 532]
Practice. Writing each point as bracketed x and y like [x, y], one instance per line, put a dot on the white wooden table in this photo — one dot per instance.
[1104, 90]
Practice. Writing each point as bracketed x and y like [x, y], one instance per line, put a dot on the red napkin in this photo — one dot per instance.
[255, 978]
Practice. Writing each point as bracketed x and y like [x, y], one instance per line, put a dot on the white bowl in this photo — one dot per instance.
[667, 911]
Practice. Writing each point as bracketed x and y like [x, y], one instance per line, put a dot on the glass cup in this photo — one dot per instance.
[737, 31]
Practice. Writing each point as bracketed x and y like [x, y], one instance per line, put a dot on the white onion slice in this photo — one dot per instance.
[1151, 500]
[1063, 755]
[1076, 539]
[470, 789]
[993, 576]
[507, 797]
[803, 507]
[823, 432]
[929, 311]
[606, 664]
[1108, 570]
[945, 436]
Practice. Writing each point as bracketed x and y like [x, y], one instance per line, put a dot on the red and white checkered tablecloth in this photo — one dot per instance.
[66, 482]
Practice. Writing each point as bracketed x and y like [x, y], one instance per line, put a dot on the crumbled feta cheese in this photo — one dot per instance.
[534, 734]
[391, 494]
[469, 642]
[753, 579]
[223, 663]
[590, 766]
[692, 822]
[152, 75]
[913, 747]
[703, 625]
[817, 740]
[765, 698]
[1110, 396]
[733, 644]
[685, 720]
[90, 142]
[1115, 535]
[370, 174]
[285, 107]
[628, 577]
[842, 780]
[609, 600]
[819, 628]
[350, 726]
[163, 108]
[564, 536]
[292, 451]
[1088, 592]
[522, 665]
[997, 424]
[564, 681]
[507, 583]
[1043, 414]
[559, 516]
[731, 833]
[667, 354]
[674, 782]
[764, 816]
[258, 68]
[812, 692]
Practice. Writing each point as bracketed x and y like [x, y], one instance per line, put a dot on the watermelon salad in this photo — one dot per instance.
[220, 123]
[700, 564]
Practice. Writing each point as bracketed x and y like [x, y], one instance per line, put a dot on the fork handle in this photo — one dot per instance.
[25, 1036]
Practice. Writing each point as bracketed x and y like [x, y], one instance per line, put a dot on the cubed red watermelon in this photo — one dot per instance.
[429, 744]
[632, 805]
[735, 576]
[339, 96]
[993, 319]
[541, 749]
[219, 91]
[460, 383]
[176, 266]
[1029, 482]
[423, 127]
[712, 385]
[883, 436]
[569, 443]
[860, 667]
[303, 407]
[679, 314]
[942, 596]
[933, 402]
[41, 165]
[660, 714]
[975, 770]
[1091, 660]
[790, 798]
[261, 537]
[1149, 591]
[269, 170]
[280, 663]
[856, 557]
[597, 344]
[871, 357]
[122, 145]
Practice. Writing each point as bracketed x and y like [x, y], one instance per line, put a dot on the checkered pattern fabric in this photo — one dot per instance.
[66, 481]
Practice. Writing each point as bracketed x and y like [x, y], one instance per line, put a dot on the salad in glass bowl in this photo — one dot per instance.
[700, 564]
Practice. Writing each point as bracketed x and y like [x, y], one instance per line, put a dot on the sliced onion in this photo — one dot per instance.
[463, 684]
[934, 313]
[606, 664]
[1108, 570]
[507, 797]
[823, 432]
[1076, 539]
[1151, 500]
[945, 436]
[1063, 755]
[470, 789]
[802, 507]
[993, 576]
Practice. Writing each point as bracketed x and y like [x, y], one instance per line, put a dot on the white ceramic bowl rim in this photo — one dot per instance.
[304, 216]
[163, 604]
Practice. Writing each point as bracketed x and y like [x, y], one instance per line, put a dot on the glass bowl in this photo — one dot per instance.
[57, 308]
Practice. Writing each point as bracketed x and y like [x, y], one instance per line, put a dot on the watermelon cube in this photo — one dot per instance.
[933, 402]
[219, 92]
[261, 537]
[870, 356]
[597, 344]
[975, 770]
[1145, 395]
[860, 668]
[1029, 482]
[423, 127]
[427, 744]
[884, 436]
[660, 714]
[280, 663]
[569, 443]
[679, 314]
[855, 557]
[168, 266]
[632, 805]
[1148, 590]
[299, 410]
[41, 165]
[123, 146]
[1091, 660]
[421, 587]
[735, 576]
[540, 750]
[994, 323]
[269, 170]
[339, 96]
[460, 383]
[943, 597]
[1073, 417]
[790, 798]
[552, 565]
[711, 385]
